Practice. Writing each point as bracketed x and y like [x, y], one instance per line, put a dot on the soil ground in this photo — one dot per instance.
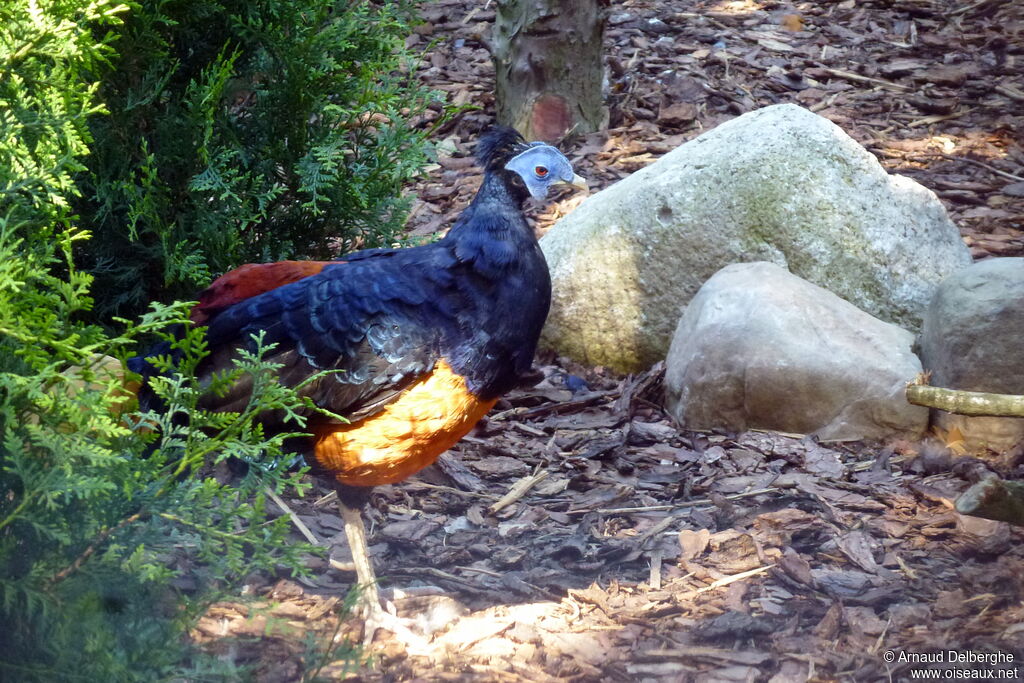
[634, 551]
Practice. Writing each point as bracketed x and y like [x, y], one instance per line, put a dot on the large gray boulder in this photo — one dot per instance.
[761, 348]
[780, 184]
[973, 339]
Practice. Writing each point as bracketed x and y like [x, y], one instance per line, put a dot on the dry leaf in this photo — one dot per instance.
[954, 440]
[792, 22]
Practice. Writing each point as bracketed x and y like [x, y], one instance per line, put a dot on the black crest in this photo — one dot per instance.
[497, 146]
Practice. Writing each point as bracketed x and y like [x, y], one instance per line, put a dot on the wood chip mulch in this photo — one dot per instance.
[934, 88]
[636, 551]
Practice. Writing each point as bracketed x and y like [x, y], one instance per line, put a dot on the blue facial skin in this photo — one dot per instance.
[541, 166]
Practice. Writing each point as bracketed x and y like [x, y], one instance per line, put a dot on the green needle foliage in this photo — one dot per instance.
[100, 514]
[247, 131]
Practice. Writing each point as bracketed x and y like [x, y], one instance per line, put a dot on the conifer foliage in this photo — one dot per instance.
[246, 131]
[113, 536]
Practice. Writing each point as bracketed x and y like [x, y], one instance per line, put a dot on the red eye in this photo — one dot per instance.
[540, 171]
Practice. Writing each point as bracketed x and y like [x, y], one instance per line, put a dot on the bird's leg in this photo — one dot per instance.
[374, 615]
[355, 531]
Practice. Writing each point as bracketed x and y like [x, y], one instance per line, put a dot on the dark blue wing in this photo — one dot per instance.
[379, 319]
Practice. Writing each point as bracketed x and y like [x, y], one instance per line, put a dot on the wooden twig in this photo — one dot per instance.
[303, 529]
[937, 118]
[442, 575]
[527, 429]
[505, 414]
[881, 638]
[748, 657]
[583, 401]
[480, 570]
[435, 573]
[449, 489]
[975, 5]
[676, 506]
[850, 76]
[725, 581]
[990, 167]
[655, 530]
[994, 498]
[325, 499]
[518, 490]
[981, 164]
[973, 403]
[1010, 92]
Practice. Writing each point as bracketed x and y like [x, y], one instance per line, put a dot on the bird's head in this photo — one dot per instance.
[540, 166]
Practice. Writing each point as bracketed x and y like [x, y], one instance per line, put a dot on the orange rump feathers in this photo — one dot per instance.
[427, 419]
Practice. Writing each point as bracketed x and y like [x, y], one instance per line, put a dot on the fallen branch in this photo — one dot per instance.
[994, 498]
[973, 403]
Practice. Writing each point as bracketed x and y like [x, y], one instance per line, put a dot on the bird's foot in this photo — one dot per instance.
[382, 616]
[412, 615]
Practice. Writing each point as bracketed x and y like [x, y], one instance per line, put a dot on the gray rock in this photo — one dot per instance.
[973, 339]
[761, 348]
[779, 184]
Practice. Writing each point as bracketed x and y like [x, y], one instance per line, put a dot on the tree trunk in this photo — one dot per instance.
[548, 66]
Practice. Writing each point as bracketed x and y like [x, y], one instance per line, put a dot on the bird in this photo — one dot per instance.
[420, 342]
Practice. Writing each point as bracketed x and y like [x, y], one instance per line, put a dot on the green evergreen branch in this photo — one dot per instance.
[101, 538]
[15, 513]
[232, 537]
[87, 525]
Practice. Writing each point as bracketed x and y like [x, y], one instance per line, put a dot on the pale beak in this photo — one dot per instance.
[578, 181]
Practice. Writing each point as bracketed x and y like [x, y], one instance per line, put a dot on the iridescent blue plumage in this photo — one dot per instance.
[476, 298]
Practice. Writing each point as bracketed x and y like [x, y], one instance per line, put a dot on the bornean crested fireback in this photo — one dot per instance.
[422, 341]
